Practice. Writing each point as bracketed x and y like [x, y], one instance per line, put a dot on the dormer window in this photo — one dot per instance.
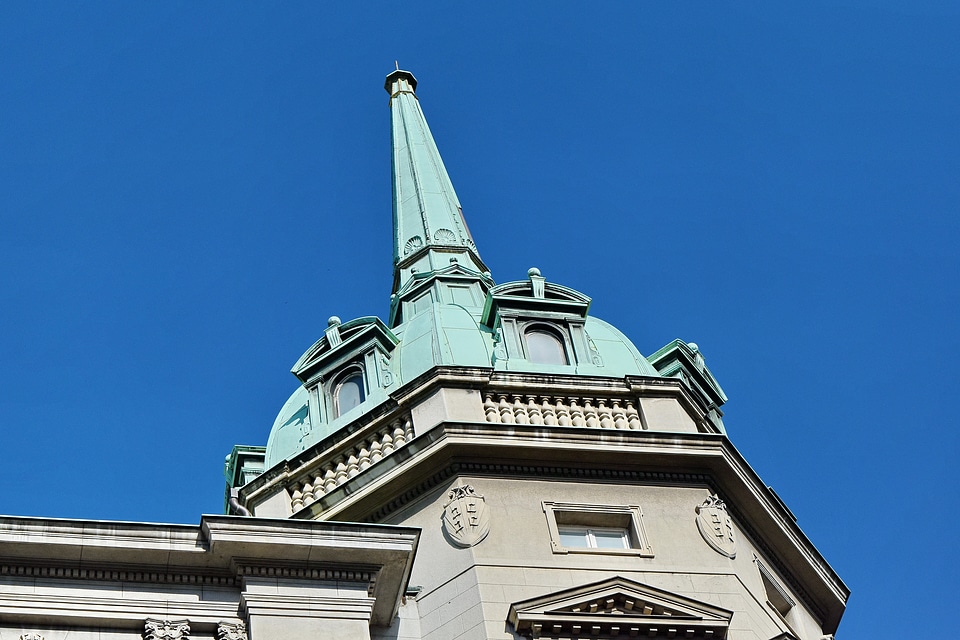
[545, 347]
[539, 326]
[349, 392]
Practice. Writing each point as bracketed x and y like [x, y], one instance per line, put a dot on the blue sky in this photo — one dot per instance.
[188, 191]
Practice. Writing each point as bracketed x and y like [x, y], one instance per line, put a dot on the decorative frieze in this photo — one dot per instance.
[306, 573]
[563, 411]
[92, 573]
[231, 631]
[347, 463]
[166, 629]
[539, 471]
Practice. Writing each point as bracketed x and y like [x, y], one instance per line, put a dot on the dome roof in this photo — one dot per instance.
[289, 429]
[444, 334]
[619, 355]
[445, 309]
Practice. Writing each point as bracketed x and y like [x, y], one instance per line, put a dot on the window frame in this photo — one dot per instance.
[551, 331]
[590, 535]
[777, 597]
[558, 331]
[347, 373]
[628, 518]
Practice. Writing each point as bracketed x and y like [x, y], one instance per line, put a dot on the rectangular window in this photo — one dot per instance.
[462, 296]
[595, 528]
[778, 598]
[594, 537]
[422, 303]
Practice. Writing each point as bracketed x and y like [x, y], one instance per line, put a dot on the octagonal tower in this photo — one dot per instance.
[564, 484]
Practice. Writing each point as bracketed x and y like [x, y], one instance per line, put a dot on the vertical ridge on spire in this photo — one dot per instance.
[430, 232]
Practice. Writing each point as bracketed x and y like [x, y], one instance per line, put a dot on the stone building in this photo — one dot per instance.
[490, 461]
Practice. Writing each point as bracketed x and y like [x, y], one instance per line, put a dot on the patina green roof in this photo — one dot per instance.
[445, 309]
[428, 222]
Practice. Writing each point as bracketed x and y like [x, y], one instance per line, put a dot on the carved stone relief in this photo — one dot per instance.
[386, 377]
[412, 245]
[445, 235]
[499, 348]
[31, 636]
[166, 629]
[594, 352]
[232, 631]
[465, 518]
[716, 527]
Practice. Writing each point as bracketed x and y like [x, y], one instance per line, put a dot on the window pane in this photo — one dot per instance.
[611, 538]
[545, 348]
[349, 393]
[422, 303]
[571, 537]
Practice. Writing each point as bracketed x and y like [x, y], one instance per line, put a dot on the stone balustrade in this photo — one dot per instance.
[358, 454]
[563, 411]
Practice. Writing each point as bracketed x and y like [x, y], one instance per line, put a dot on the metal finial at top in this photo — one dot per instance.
[396, 64]
[400, 81]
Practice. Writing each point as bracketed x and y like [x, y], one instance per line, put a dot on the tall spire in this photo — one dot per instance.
[430, 233]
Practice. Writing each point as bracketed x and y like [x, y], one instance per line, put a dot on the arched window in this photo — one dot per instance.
[349, 393]
[544, 347]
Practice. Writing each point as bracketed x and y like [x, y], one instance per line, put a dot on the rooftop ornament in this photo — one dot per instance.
[333, 331]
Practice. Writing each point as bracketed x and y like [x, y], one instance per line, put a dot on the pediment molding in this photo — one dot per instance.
[524, 297]
[618, 607]
[352, 338]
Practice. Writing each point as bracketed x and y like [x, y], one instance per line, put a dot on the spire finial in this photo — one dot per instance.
[431, 237]
[400, 81]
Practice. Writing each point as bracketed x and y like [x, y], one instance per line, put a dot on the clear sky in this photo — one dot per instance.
[188, 191]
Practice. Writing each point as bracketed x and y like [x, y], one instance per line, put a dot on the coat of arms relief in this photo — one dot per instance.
[716, 527]
[465, 518]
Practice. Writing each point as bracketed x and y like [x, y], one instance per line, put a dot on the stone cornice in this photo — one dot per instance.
[484, 380]
[642, 456]
[109, 610]
[288, 606]
[221, 551]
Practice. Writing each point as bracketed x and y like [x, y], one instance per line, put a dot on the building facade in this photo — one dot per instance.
[489, 462]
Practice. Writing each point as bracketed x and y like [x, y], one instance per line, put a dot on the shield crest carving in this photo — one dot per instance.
[716, 527]
[465, 518]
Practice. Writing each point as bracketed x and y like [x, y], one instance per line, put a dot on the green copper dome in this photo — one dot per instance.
[445, 334]
[445, 310]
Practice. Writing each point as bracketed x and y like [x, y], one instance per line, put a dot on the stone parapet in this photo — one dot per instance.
[464, 394]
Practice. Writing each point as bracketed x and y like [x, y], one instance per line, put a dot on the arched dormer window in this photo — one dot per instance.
[349, 392]
[544, 346]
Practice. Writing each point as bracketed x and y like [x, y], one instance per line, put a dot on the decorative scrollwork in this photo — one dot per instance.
[231, 631]
[166, 629]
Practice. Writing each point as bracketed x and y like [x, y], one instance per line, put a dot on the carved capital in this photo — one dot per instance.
[231, 631]
[166, 629]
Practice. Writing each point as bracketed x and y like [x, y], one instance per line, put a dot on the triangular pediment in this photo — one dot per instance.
[618, 606]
